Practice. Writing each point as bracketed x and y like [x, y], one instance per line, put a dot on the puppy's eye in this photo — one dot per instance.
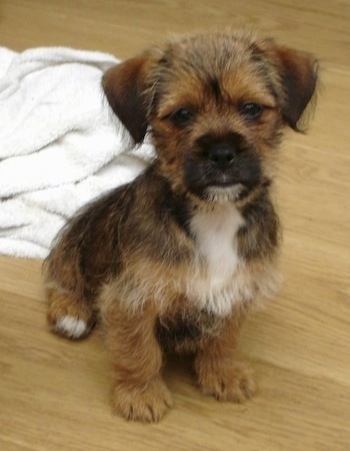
[182, 117]
[251, 110]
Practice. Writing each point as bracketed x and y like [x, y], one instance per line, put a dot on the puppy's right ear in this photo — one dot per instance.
[124, 86]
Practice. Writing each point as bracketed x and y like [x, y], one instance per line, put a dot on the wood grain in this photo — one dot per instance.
[54, 393]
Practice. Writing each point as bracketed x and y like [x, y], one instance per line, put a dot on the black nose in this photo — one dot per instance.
[222, 154]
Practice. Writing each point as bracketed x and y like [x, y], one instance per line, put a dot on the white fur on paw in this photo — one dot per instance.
[71, 327]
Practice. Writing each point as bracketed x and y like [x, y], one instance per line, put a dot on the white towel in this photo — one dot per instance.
[60, 143]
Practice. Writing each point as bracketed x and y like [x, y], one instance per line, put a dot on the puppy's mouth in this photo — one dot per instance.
[220, 179]
[219, 187]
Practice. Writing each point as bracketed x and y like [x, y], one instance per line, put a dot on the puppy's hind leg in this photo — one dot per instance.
[69, 314]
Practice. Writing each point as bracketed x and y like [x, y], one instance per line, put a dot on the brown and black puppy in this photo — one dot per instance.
[177, 258]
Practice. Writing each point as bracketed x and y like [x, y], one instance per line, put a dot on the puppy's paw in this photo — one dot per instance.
[148, 404]
[68, 317]
[70, 327]
[232, 381]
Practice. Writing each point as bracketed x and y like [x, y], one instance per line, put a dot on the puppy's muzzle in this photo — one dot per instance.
[225, 162]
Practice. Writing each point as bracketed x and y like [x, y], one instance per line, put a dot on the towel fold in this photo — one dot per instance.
[60, 143]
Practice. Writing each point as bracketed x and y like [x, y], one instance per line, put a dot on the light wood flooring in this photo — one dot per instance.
[54, 393]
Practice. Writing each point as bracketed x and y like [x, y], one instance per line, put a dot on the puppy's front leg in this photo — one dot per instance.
[138, 391]
[222, 372]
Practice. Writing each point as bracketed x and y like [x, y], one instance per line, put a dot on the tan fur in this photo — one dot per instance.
[177, 259]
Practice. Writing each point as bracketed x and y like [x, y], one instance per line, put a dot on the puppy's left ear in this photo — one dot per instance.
[298, 77]
[124, 86]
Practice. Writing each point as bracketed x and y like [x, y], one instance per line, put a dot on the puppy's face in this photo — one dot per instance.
[215, 105]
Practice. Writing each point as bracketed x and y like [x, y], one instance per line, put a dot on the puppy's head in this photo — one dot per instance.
[215, 105]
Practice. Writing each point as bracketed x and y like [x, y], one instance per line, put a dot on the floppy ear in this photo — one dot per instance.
[298, 76]
[124, 86]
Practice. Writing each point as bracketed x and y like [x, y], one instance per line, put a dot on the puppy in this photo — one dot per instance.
[175, 260]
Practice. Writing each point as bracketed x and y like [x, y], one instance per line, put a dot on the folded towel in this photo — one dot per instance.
[60, 143]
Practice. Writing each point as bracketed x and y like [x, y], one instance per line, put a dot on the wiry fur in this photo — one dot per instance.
[177, 258]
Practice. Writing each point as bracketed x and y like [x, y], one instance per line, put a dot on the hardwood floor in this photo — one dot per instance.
[54, 393]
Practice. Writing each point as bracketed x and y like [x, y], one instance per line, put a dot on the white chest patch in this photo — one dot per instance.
[213, 286]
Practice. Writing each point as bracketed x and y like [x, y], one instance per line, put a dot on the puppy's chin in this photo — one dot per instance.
[223, 194]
